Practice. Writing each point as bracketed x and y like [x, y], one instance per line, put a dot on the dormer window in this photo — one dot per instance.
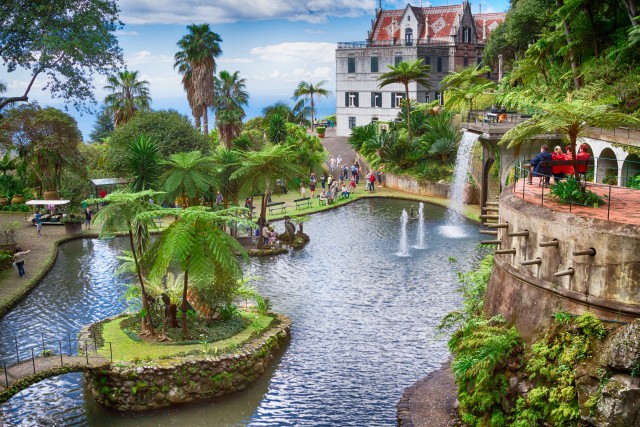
[408, 37]
[466, 34]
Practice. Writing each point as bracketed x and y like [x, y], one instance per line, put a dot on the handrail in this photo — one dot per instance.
[46, 352]
[611, 194]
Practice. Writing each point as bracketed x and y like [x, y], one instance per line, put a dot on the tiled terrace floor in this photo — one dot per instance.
[622, 205]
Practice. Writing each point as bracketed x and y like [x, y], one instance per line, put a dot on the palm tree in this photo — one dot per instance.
[201, 249]
[143, 162]
[187, 175]
[259, 168]
[405, 73]
[465, 85]
[296, 115]
[231, 97]
[571, 117]
[196, 62]
[129, 95]
[308, 90]
[121, 214]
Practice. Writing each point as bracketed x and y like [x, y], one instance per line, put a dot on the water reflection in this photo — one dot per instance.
[363, 324]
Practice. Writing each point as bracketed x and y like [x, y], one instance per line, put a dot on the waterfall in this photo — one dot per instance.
[420, 239]
[453, 224]
[404, 246]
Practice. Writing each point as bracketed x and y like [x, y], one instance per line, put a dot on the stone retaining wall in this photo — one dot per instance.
[605, 284]
[139, 387]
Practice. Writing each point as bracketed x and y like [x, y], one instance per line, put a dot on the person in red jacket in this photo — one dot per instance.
[557, 171]
[583, 154]
[372, 181]
[568, 170]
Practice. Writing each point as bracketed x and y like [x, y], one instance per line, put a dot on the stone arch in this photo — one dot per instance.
[607, 167]
[630, 168]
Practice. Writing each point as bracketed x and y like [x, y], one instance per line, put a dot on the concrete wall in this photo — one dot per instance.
[426, 188]
[607, 284]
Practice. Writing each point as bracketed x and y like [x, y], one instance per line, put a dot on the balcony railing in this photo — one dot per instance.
[384, 43]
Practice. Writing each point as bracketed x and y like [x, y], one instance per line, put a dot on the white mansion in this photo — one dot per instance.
[445, 37]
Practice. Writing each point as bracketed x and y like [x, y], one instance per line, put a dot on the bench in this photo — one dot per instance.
[302, 202]
[551, 163]
[277, 205]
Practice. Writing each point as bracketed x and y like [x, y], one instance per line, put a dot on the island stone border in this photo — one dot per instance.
[131, 387]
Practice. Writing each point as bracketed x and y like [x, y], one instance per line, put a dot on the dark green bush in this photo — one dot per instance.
[571, 191]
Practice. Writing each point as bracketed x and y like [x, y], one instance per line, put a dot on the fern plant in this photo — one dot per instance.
[570, 191]
[554, 400]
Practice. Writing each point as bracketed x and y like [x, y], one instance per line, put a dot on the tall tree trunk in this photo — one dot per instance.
[573, 137]
[147, 325]
[632, 11]
[198, 123]
[312, 122]
[205, 120]
[406, 91]
[572, 58]
[185, 287]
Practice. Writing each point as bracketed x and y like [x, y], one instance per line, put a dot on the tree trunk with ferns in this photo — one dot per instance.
[147, 324]
[185, 288]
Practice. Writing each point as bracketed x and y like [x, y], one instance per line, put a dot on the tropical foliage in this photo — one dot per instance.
[407, 72]
[429, 155]
[196, 62]
[231, 98]
[64, 42]
[128, 96]
[121, 214]
[308, 90]
[143, 164]
[197, 244]
[172, 132]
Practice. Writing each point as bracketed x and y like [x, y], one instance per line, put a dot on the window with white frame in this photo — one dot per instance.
[376, 99]
[352, 122]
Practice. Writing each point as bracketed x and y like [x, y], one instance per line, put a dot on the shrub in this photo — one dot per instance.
[570, 191]
[6, 260]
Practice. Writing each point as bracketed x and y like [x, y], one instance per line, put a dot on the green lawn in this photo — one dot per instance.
[126, 349]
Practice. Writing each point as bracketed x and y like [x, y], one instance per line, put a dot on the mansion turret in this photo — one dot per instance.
[444, 37]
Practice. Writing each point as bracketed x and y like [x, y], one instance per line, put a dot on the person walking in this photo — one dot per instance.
[219, 198]
[303, 189]
[372, 181]
[87, 218]
[323, 181]
[379, 176]
[18, 260]
[38, 223]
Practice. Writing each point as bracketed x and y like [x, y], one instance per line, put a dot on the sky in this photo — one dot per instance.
[274, 44]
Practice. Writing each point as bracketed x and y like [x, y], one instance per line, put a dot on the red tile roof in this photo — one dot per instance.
[442, 22]
[487, 22]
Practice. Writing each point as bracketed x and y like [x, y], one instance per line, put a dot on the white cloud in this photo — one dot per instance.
[127, 33]
[296, 51]
[224, 60]
[145, 57]
[226, 11]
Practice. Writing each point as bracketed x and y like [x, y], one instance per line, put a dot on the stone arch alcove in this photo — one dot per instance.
[630, 168]
[607, 166]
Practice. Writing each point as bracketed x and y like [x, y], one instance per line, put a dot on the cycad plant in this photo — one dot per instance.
[143, 163]
[198, 245]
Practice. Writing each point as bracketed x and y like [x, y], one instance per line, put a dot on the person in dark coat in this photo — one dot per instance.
[535, 165]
